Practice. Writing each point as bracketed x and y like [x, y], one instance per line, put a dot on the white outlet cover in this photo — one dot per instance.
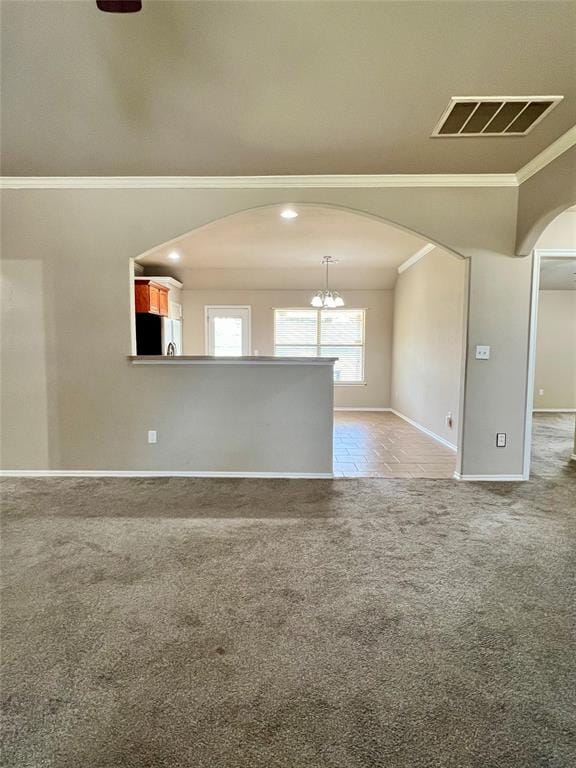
[152, 436]
[482, 352]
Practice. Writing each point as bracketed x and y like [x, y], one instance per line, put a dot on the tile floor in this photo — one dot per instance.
[380, 444]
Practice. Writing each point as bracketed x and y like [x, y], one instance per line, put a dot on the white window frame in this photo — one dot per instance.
[208, 307]
[318, 345]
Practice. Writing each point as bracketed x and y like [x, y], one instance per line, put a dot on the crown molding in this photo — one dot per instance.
[557, 148]
[261, 182]
[416, 257]
[335, 181]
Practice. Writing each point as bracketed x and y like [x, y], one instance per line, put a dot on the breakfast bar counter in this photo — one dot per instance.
[233, 416]
[240, 360]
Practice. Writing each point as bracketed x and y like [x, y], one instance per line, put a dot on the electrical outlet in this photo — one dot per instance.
[540, 391]
[152, 436]
[501, 440]
[482, 352]
[449, 421]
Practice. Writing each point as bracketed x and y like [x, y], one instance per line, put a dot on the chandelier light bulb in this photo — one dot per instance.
[327, 299]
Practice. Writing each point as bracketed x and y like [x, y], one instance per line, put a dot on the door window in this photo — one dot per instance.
[228, 331]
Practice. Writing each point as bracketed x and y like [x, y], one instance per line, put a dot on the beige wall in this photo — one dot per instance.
[561, 233]
[25, 347]
[346, 278]
[556, 350]
[93, 411]
[542, 197]
[72, 401]
[495, 390]
[378, 359]
[427, 342]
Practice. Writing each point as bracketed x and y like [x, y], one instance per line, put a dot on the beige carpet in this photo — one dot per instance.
[181, 623]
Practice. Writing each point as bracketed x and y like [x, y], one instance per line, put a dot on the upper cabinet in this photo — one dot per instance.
[163, 301]
[151, 298]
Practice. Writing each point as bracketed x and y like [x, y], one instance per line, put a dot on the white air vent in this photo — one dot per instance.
[493, 115]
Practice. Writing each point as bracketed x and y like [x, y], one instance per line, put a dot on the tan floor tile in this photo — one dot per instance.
[345, 467]
[376, 465]
[391, 475]
[408, 467]
[419, 458]
[434, 475]
[387, 457]
[437, 467]
[380, 444]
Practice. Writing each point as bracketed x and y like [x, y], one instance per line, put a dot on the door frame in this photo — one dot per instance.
[538, 254]
[531, 373]
[207, 307]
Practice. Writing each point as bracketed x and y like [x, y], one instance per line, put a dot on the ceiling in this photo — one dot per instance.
[558, 275]
[368, 250]
[260, 88]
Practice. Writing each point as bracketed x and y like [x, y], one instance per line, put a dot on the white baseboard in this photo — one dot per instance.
[153, 473]
[342, 408]
[554, 410]
[490, 478]
[426, 431]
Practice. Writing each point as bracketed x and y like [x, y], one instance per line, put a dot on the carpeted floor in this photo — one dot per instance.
[177, 623]
[552, 443]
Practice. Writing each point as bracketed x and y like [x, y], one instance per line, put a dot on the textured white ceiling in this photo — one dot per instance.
[558, 275]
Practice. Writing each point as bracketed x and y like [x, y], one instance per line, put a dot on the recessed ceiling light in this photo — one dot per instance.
[174, 256]
[288, 213]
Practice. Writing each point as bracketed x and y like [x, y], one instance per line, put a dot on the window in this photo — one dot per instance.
[227, 331]
[323, 333]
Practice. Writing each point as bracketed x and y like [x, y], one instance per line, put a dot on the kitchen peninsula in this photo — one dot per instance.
[236, 416]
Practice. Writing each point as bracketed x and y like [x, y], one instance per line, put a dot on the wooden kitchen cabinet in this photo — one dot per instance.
[151, 298]
[163, 302]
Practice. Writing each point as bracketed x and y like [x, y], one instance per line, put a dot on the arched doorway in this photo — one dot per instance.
[399, 370]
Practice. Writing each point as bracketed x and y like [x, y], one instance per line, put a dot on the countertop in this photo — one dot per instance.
[210, 360]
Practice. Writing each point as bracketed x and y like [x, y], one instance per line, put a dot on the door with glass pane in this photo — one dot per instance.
[228, 331]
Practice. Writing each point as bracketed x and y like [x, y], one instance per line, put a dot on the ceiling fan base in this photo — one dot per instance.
[119, 6]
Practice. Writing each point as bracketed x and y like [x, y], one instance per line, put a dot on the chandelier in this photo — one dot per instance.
[327, 299]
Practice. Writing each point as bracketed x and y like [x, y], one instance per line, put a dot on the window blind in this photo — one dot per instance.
[323, 333]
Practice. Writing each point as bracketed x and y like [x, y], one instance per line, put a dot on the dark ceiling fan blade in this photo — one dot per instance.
[119, 6]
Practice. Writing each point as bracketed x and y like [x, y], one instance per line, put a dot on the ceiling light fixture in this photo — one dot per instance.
[119, 6]
[288, 213]
[174, 256]
[327, 299]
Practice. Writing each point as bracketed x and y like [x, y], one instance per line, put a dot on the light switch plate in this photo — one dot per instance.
[501, 440]
[482, 352]
[152, 436]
